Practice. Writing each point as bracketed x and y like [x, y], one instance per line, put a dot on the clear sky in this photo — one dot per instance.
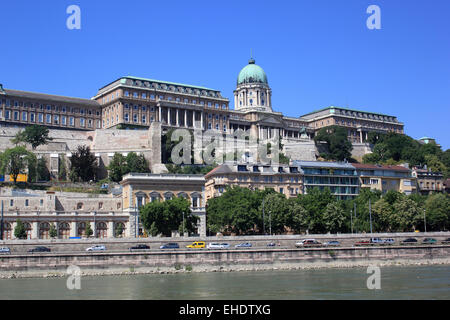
[315, 53]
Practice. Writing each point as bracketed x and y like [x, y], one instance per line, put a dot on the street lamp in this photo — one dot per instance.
[424, 219]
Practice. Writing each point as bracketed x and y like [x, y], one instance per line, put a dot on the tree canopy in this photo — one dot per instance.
[15, 161]
[83, 165]
[35, 135]
[167, 216]
[121, 165]
[336, 143]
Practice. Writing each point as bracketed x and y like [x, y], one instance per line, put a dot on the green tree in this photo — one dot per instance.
[15, 161]
[119, 230]
[35, 135]
[117, 167]
[336, 142]
[19, 231]
[52, 232]
[42, 171]
[334, 217]
[165, 217]
[275, 212]
[406, 213]
[136, 163]
[297, 217]
[315, 203]
[83, 165]
[62, 168]
[437, 210]
[88, 230]
[382, 213]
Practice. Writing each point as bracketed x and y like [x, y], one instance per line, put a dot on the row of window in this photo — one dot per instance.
[170, 98]
[62, 109]
[48, 119]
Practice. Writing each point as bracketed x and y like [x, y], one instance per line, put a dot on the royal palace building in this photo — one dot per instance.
[132, 102]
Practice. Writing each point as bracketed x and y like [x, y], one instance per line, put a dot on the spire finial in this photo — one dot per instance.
[251, 61]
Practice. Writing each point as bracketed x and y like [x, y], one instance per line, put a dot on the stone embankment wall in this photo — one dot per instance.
[116, 260]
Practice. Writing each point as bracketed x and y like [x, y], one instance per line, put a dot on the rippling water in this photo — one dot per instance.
[412, 282]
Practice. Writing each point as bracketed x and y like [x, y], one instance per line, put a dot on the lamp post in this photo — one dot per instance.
[370, 215]
[351, 220]
[183, 223]
[424, 218]
[1, 224]
[264, 217]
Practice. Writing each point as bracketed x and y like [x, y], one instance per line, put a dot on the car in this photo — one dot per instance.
[376, 241]
[96, 248]
[389, 241]
[333, 243]
[39, 249]
[271, 244]
[140, 247]
[409, 240]
[216, 245]
[170, 245]
[197, 244]
[5, 250]
[429, 241]
[446, 240]
[362, 243]
[308, 243]
[243, 245]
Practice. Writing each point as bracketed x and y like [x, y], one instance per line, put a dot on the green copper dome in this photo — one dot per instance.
[252, 73]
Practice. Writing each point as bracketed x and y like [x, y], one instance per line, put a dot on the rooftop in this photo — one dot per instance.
[50, 98]
[379, 167]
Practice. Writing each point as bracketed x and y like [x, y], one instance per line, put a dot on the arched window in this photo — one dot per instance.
[168, 196]
[102, 230]
[44, 228]
[7, 231]
[82, 229]
[64, 230]
[119, 230]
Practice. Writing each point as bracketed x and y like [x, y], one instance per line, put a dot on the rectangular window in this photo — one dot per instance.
[49, 118]
[126, 117]
[41, 117]
[16, 115]
[7, 114]
[72, 121]
[56, 119]
[24, 116]
[27, 203]
[135, 117]
[144, 120]
[82, 122]
[64, 120]
[89, 123]
[99, 124]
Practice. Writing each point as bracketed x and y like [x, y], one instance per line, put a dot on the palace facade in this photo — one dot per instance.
[132, 102]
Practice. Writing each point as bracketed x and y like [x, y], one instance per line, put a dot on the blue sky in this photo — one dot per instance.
[315, 53]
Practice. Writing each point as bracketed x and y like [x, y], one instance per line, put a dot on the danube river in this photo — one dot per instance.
[405, 282]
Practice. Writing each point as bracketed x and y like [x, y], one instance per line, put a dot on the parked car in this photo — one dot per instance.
[429, 241]
[5, 250]
[333, 243]
[271, 244]
[197, 244]
[96, 248]
[171, 245]
[409, 241]
[216, 245]
[446, 240]
[140, 247]
[243, 245]
[308, 243]
[376, 241]
[39, 249]
[389, 241]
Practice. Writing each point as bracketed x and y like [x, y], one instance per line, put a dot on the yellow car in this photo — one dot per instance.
[197, 244]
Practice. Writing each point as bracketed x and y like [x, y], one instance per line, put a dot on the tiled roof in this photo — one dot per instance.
[379, 167]
[50, 98]
[322, 164]
[218, 170]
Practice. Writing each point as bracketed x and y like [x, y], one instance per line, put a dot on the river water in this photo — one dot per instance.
[406, 282]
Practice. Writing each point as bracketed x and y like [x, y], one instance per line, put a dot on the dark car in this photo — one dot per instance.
[170, 245]
[446, 240]
[39, 249]
[140, 247]
[409, 240]
[429, 241]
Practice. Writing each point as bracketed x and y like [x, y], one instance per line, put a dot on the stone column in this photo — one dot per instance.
[178, 118]
[361, 136]
[35, 230]
[73, 229]
[201, 120]
[168, 117]
[193, 118]
[185, 118]
[160, 114]
[111, 230]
